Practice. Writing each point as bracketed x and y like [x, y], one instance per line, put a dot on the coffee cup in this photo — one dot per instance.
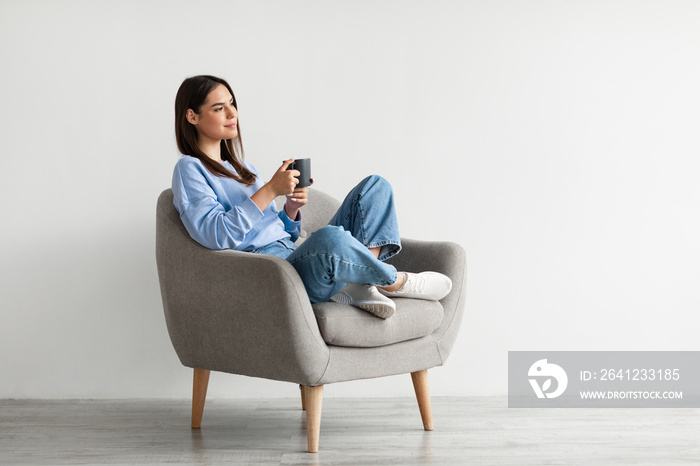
[304, 167]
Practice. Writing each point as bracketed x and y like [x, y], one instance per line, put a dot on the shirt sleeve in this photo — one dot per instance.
[205, 218]
[293, 227]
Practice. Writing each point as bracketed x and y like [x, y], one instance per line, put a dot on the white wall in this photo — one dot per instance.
[556, 141]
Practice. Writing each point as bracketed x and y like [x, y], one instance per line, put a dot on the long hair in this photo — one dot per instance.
[192, 94]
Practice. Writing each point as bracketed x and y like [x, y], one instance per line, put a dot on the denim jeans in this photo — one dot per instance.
[339, 253]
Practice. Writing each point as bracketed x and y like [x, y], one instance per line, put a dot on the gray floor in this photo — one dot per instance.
[479, 430]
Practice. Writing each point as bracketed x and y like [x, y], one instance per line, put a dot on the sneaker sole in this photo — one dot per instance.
[379, 309]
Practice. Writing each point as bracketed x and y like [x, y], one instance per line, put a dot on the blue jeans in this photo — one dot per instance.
[338, 253]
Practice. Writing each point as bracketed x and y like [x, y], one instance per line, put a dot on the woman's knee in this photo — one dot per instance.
[330, 234]
[335, 241]
[376, 183]
[378, 180]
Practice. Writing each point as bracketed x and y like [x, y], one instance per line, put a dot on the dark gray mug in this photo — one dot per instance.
[304, 167]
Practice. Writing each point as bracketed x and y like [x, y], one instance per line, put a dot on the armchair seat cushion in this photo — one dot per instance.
[343, 325]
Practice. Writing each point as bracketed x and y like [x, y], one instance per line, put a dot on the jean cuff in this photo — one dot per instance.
[388, 249]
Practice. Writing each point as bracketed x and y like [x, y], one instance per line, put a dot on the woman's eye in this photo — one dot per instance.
[218, 109]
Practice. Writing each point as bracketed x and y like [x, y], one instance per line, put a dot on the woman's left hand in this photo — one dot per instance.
[296, 201]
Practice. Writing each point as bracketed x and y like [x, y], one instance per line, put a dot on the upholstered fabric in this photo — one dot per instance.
[367, 363]
[324, 207]
[447, 258]
[341, 325]
[249, 314]
[230, 311]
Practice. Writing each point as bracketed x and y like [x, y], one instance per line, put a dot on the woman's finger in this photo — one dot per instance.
[285, 164]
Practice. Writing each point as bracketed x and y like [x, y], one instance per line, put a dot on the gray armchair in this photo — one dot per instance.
[249, 314]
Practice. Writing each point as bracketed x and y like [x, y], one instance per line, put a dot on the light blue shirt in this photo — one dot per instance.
[218, 212]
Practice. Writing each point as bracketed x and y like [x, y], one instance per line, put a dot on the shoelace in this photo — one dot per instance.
[413, 284]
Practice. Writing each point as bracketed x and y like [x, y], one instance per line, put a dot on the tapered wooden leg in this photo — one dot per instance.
[420, 385]
[199, 394]
[314, 400]
[303, 396]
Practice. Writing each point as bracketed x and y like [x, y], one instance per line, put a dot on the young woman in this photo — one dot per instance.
[224, 204]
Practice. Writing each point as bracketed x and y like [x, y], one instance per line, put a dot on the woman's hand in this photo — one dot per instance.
[283, 182]
[296, 201]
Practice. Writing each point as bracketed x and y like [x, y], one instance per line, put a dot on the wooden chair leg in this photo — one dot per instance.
[302, 388]
[314, 400]
[420, 385]
[199, 394]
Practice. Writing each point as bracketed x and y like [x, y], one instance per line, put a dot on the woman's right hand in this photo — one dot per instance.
[284, 181]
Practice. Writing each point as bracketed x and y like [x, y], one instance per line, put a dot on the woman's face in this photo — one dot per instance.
[217, 118]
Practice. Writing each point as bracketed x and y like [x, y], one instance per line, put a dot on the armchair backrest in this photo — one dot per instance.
[318, 212]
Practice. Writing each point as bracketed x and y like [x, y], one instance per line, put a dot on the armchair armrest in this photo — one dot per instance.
[447, 258]
[237, 312]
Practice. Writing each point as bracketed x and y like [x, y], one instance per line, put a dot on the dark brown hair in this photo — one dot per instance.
[192, 94]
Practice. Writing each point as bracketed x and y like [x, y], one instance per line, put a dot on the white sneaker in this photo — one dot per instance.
[367, 298]
[431, 286]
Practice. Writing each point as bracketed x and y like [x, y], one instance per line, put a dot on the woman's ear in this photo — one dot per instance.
[191, 116]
